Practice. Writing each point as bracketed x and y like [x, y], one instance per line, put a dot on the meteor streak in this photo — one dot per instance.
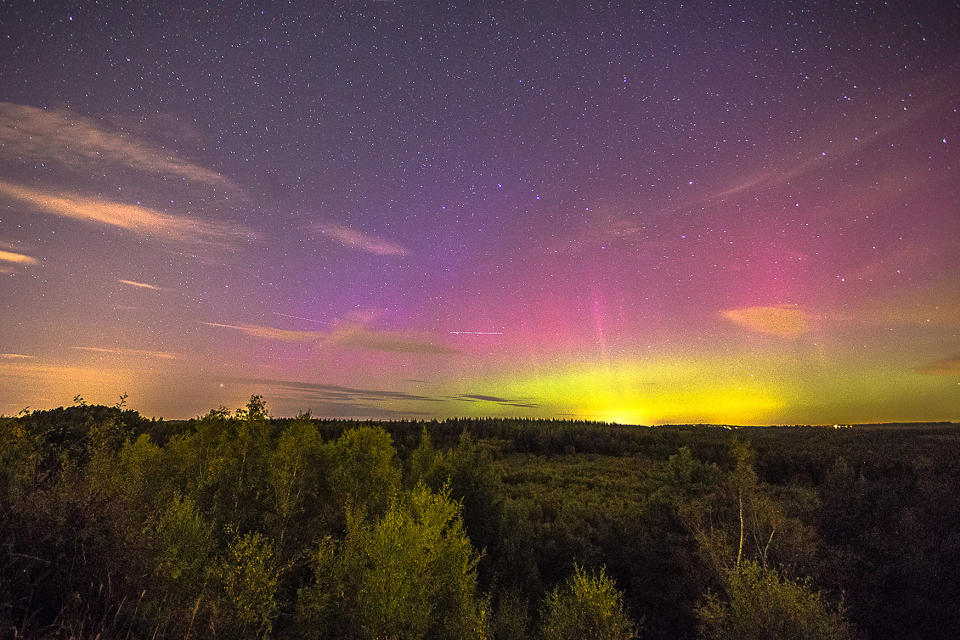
[477, 333]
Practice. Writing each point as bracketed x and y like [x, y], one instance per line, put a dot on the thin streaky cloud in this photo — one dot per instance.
[478, 396]
[270, 333]
[140, 285]
[133, 218]
[32, 133]
[503, 402]
[360, 337]
[944, 367]
[938, 91]
[16, 258]
[337, 393]
[350, 336]
[784, 320]
[911, 314]
[16, 356]
[287, 315]
[138, 353]
[359, 240]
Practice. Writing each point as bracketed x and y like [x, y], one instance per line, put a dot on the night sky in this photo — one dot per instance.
[636, 212]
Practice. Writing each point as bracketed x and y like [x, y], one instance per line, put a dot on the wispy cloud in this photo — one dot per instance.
[77, 141]
[16, 356]
[350, 336]
[134, 353]
[16, 258]
[270, 333]
[334, 400]
[331, 391]
[133, 218]
[287, 315]
[946, 367]
[359, 337]
[504, 402]
[478, 396]
[915, 314]
[785, 320]
[359, 240]
[140, 285]
[932, 93]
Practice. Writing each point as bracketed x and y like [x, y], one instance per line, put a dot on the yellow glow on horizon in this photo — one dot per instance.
[650, 392]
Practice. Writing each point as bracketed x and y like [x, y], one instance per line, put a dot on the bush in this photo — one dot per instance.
[410, 575]
[763, 604]
[587, 607]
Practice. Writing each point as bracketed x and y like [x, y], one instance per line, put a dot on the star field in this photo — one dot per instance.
[640, 212]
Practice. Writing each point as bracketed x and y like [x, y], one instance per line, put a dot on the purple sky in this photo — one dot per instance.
[640, 212]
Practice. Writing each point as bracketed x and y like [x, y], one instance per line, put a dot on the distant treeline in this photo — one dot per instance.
[236, 524]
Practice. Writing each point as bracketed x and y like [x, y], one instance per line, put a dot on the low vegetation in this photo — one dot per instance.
[239, 525]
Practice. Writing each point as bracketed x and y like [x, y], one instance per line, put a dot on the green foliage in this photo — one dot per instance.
[365, 474]
[587, 607]
[686, 483]
[511, 618]
[184, 543]
[19, 461]
[473, 481]
[298, 474]
[236, 524]
[223, 464]
[254, 411]
[763, 604]
[409, 575]
[246, 603]
[423, 461]
[734, 516]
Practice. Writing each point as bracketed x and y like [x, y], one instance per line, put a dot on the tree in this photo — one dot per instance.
[364, 472]
[297, 474]
[183, 545]
[763, 604]
[734, 516]
[587, 607]
[246, 603]
[423, 460]
[474, 482]
[410, 575]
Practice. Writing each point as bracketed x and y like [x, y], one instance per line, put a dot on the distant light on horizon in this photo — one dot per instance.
[637, 215]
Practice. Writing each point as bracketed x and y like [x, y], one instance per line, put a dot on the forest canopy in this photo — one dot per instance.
[238, 524]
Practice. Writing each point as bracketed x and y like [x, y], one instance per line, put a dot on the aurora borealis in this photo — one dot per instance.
[639, 212]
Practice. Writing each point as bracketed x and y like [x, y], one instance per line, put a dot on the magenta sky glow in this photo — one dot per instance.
[640, 212]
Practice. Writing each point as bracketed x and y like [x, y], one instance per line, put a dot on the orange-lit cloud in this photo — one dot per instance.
[140, 285]
[137, 353]
[76, 141]
[133, 218]
[352, 336]
[945, 367]
[16, 258]
[360, 241]
[16, 356]
[783, 320]
[271, 333]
